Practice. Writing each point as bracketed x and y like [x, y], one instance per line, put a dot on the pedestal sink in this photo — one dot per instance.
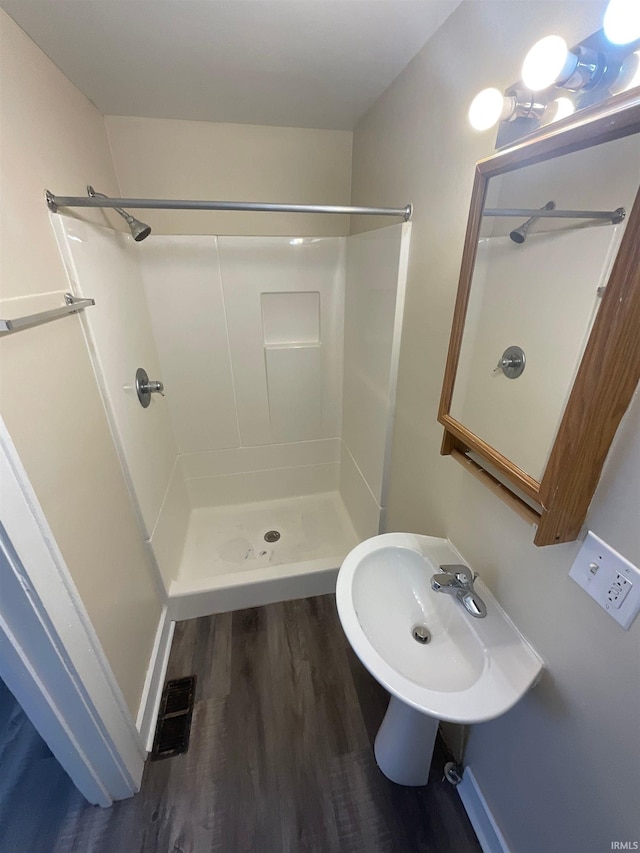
[436, 660]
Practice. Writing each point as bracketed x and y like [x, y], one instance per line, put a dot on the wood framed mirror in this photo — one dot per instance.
[544, 354]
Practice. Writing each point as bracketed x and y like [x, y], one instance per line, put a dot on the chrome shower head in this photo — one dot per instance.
[139, 230]
[519, 235]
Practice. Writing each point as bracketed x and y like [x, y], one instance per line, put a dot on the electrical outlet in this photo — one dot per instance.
[618, 591]
[608, 578]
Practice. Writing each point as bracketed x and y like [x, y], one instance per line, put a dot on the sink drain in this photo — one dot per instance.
[421, 634]
[271, 536]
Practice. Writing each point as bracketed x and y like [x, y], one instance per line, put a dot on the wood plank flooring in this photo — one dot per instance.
[280, 759]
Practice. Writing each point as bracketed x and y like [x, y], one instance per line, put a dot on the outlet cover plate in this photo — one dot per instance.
[608, 578]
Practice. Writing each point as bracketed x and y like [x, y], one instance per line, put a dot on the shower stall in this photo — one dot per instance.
[263, 458]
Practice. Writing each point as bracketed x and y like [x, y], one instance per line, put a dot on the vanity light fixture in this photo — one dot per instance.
[558, 81]
[490, 106]
[550, 62]
[622, 21]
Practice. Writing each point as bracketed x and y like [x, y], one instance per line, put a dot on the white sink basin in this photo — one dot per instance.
[471, 670]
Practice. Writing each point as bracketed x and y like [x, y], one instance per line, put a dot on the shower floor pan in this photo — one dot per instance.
[227, 564]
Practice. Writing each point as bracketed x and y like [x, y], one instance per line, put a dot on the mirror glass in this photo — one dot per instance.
[537, 286]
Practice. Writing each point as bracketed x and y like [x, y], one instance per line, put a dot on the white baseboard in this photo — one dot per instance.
[483, 822]
[154, 682]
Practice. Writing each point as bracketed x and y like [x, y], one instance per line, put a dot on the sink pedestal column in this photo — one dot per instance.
[404, 744]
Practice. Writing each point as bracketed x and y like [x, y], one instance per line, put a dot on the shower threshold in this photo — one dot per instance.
[232, 559]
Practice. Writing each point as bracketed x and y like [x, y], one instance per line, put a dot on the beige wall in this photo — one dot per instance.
[163, 158]
[559, 771]
[52, 137]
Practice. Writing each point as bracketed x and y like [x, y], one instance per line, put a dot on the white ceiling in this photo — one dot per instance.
[298, 63]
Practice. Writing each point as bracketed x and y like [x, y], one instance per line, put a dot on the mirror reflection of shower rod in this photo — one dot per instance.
[549, 211]
[614, 216]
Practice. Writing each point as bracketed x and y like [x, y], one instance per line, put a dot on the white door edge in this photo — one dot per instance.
[50, 656]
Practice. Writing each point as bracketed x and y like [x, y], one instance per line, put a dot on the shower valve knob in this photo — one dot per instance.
[512, 362]
[155, 387]
[145, 387]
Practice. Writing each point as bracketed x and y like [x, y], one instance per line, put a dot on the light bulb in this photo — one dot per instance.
[563, 107]
[557, 109]
[486, 109]
[548, 62]
[622, 21]
[629, 75]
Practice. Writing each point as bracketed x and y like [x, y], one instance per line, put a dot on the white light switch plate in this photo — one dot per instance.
[608, 578]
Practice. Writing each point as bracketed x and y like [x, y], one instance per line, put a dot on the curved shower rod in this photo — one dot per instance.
[56, 201]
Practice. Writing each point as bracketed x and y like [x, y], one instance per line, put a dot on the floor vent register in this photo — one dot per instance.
[174, 718]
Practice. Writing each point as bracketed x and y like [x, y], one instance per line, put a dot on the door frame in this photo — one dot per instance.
[50, 656]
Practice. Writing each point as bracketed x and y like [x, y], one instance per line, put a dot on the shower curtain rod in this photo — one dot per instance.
[614, 216]
[56, 201]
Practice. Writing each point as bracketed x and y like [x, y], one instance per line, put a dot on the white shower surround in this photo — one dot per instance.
[247, 334]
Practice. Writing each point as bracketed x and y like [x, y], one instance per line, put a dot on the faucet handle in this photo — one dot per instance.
[462, 573]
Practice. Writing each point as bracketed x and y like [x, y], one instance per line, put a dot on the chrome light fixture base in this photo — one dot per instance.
[589, 70]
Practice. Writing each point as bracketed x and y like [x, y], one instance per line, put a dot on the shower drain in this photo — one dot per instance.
[421, 634]
[271, 536]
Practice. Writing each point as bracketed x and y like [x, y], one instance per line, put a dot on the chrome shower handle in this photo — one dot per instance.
[512, 362]
[154, 386]
[504, 362]
[145, 387]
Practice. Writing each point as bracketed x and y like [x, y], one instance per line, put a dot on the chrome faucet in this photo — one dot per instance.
[458, 581]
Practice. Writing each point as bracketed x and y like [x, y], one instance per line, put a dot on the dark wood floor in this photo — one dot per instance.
[280, 759]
